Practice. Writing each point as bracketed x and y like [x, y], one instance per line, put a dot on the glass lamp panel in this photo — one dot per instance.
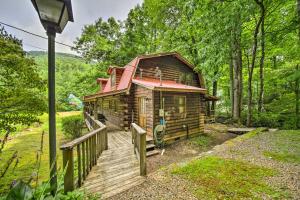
[64, 19]
[50, 10]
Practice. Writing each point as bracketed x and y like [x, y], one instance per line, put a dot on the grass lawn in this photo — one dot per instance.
[27, 143]
[287, 145]
[202, 141]
[218, 178]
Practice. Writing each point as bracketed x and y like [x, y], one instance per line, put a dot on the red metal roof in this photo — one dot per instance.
[129, 71]
[126, 77]
[110, 68]
[166, 85]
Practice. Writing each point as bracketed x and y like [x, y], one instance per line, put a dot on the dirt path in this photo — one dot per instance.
[185, 150]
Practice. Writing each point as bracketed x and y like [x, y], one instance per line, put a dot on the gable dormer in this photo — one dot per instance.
[102, 83]
[115, 73]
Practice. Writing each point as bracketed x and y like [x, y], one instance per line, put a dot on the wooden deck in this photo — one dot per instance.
[117, 168]
[240, 131]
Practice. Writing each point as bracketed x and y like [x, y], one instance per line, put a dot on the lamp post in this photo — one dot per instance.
[54, 15]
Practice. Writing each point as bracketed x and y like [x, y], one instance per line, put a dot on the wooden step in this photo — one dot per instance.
[149, 140]
[126, 185]
[150, 147]
[152, 153]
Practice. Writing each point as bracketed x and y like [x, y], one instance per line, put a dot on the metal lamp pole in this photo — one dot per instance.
[52, 110]
[54, 15]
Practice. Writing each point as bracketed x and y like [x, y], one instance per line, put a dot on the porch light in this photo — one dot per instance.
[54, 14]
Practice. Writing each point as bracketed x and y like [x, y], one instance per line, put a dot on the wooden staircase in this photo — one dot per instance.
[150, 147]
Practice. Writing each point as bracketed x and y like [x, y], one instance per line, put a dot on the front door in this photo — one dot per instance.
[142, 112]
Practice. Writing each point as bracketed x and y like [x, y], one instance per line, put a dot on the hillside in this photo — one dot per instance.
[73, 76]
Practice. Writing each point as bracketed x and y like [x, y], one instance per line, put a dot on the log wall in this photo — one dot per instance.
[117, 113]
[193, 119]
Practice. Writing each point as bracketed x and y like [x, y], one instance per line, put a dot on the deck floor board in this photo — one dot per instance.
[117, 168]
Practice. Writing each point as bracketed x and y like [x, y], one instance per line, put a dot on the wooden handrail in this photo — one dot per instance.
[139, 141]
[81, 139]
[138, 129]
[88, 147]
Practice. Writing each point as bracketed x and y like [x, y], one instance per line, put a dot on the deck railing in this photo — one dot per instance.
[139, 141]
[88, 148]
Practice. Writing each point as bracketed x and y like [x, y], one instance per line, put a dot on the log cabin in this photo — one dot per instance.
[151, 90]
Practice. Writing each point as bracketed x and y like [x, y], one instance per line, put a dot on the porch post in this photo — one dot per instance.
[96, 110]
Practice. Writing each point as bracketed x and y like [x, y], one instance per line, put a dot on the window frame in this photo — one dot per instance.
[113, 78]
[177, 104]
[112, 105]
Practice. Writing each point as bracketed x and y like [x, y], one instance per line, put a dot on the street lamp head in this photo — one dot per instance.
[54, 14]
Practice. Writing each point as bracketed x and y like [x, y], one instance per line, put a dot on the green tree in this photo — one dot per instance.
[22, 92]
[101, 42]
[21, 88]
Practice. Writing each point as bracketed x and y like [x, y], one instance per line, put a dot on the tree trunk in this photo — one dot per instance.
[231, 85]
[214, 93]
[261, 66]
[237, 81]
[237, 72]
[297, 94]
[251, 67]
[208, 108]
[297, 89]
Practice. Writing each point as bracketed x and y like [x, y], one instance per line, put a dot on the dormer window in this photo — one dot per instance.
[113, 78]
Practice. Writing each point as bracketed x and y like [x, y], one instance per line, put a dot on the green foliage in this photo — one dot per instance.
[22, 90]
[202, 141]
[265, 120]
[101, 41]
[20, 190]
[218, 178]
[72, 126]
[73, 76]
[24, 191]
[27, 143]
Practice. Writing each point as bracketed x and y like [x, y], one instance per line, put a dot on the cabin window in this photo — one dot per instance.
[113, 105]
[186, 78]
[113, 78]
[180, 104]
[142, 105]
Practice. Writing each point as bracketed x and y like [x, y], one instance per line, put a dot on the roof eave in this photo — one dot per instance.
[179, 90]
[94, 96]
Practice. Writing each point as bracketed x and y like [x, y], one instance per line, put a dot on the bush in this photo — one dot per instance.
[285, 121]
[266, 120]
[72, 126]
[21, 190]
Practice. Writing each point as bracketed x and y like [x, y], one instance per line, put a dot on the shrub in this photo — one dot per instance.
[266, 120]
[72, 126]
[22, 190]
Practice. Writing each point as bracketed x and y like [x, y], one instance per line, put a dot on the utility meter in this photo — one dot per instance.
[161, 112]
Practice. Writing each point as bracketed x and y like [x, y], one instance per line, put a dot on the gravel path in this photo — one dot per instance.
[163, 185]
[159, 185]
[252, 150]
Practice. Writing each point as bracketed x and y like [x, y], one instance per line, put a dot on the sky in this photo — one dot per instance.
[21, 13]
